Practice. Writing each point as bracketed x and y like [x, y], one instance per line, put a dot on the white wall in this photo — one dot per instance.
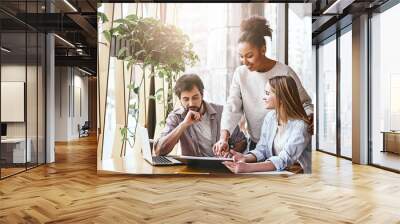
[33, 127]
[11, 73]
[71, 94]
[16, 73]
[62, 82]
[81, 84]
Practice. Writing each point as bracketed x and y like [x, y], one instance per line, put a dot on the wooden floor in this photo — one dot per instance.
[387, 159]
[70, 191]
[8, 171]
[5, 172]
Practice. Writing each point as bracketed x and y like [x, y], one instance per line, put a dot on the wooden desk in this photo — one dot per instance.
[391, 141]
[136, 165]
[15, 149]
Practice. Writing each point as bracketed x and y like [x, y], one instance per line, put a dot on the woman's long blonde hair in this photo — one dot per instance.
[287, 98]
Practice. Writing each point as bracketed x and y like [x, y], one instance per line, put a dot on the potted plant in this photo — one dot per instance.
[159, 49]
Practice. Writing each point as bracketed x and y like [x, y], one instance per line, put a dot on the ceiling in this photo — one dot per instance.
[74, 22]
[328, 16]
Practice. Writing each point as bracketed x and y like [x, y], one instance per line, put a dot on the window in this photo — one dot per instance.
[110, 120]
[301, 56]
[210, 42]
[22, 75]
[346, 94]
[300, 51]
[274, 13]
[327, 96]
[385, 86]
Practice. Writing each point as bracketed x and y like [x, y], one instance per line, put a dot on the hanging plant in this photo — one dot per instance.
[162, 49]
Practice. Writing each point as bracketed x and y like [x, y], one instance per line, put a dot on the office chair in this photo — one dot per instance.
[84, 130]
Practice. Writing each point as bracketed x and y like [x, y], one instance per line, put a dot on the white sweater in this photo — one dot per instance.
[246, 97]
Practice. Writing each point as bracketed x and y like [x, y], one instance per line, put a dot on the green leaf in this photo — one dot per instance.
[139, 52]
[130, 86]
[131, 107]
[102, 16]
[136, 90]
[132, 17]
[128, 58]
[124, 133]
[107, 35]
[120, 29]
[130, 63]
[121, 52]
[120, 21]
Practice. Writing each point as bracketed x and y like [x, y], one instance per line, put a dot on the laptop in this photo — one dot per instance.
[205, 162]
[146, 150]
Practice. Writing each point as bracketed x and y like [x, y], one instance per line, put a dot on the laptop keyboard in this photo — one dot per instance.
[161, 160]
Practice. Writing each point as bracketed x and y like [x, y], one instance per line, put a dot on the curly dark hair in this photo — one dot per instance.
[254, 29]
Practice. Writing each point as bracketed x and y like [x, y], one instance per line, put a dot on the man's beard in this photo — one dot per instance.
[196, 109]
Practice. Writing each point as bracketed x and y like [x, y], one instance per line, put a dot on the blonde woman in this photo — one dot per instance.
[285, 139]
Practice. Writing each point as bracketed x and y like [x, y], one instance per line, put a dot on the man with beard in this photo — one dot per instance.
[196, 124]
